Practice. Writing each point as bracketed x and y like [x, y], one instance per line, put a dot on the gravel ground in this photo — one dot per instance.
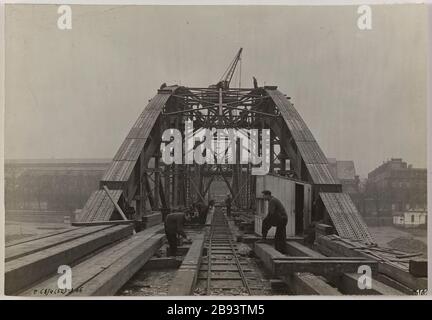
[149, 283]
[407, 240]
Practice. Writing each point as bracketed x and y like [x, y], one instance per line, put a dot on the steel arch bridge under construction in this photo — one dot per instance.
[138, 183]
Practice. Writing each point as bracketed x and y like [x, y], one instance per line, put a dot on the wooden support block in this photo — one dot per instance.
[403, 277]
[323, 230]
[418, 267]
[25, 271]
[181, 250]
[246, 225]
[162, 263]
[321, 267]
[152, 219]
[185, 278]
[278, 284]
[250, 238]
[349, 285]
[267, 254]
[309, 284]
[297, 249]
[336, 248]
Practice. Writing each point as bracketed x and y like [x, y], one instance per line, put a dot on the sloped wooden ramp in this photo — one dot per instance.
[121, 175]
[99, 206]
[308, 148]
[345, 217]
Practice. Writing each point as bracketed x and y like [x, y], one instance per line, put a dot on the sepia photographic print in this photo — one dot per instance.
[215, 150]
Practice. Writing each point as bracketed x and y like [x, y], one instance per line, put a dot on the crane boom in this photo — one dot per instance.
[229, 72]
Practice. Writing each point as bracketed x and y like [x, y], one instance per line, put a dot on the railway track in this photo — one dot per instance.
[223, 269]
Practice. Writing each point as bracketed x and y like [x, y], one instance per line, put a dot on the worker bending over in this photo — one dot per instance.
[174, 223]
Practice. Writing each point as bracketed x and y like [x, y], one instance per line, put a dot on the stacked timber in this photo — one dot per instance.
[29, 261]
[107, 271]
[152, 219]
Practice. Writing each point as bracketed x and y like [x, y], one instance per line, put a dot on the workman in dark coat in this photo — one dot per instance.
[276, 217]
[174, 226]
[202, 210]
[228, 202]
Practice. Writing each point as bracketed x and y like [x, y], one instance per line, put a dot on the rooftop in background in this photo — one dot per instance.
[396, 165]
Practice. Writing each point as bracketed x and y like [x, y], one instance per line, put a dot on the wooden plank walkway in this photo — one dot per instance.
[26, 248]
[106, 272]
[345, 217]
[22, 271]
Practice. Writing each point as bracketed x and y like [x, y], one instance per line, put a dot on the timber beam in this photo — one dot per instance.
[349, 285]
[34, 264]
[324, 267]
[348, 282]
[298, 283]
[186, 276]
[106, 271]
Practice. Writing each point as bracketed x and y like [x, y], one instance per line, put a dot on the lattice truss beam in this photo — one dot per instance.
[144, 183]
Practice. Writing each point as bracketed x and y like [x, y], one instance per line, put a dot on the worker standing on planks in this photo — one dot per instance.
[228, 202]
[174, 226]
[276, 217]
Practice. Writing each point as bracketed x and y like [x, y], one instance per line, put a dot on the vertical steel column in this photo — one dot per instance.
[156, 181]
[272, 157]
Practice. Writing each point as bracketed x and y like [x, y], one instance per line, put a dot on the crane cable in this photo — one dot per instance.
[240, 70]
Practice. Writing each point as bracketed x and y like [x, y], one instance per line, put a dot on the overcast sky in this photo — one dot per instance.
[76, 93]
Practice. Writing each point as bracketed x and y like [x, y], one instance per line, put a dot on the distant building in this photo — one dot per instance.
[51, 185]
[410, 219]
[344, 171]
[395, 188]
